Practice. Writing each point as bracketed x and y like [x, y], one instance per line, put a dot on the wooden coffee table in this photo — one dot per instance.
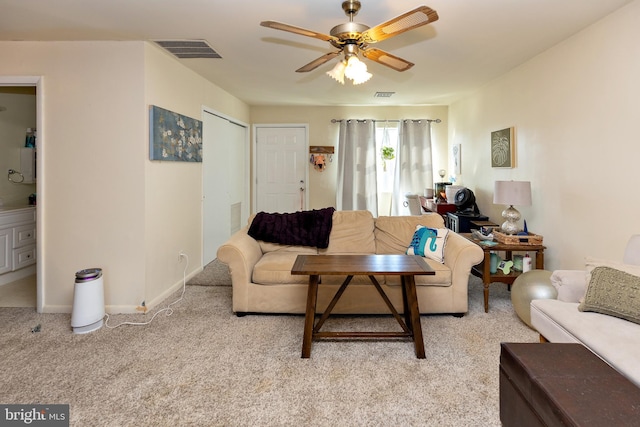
[405, 266]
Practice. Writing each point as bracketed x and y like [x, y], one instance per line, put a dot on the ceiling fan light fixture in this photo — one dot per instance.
[356, 70]
[337, 72]
[352, 38]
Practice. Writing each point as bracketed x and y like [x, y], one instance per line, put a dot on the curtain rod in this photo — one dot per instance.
[397, 121]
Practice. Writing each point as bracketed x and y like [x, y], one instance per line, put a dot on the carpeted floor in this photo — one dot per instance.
[213, 274]
[204, 366]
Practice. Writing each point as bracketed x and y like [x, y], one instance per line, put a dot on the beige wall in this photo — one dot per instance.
[91, 185]
[102, 203]
[322, 185]
[575, 113]
[173, 190]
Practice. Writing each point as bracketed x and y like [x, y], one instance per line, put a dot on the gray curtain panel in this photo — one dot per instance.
[357, 182]
[414, 167]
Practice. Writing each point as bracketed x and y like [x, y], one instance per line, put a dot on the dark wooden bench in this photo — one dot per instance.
[563, 385]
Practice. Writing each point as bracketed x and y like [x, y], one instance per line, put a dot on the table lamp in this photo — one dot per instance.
[511, 193]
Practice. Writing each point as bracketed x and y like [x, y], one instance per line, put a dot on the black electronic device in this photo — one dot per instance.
[465, 202]
[467, 211]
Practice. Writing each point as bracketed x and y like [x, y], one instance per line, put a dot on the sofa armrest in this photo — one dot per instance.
[460, 255]
[571, 284]
[241, 253]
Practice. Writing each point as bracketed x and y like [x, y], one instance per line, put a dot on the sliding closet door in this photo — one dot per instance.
[225, 180]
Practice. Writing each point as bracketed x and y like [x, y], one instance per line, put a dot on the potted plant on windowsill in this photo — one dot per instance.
[388, 153]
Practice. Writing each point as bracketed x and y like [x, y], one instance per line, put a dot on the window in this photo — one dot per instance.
[386, 149]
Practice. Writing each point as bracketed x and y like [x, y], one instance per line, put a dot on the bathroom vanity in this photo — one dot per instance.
[17, 242]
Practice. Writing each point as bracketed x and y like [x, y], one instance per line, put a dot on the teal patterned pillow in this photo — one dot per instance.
[429, 242]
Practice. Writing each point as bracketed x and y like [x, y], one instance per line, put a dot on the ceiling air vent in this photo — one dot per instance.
[189, 49]
[383, 94]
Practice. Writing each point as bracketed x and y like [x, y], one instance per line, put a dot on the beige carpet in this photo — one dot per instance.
[213, 274]
[204, 366]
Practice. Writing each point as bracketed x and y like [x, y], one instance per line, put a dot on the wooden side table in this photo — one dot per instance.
[483, 270]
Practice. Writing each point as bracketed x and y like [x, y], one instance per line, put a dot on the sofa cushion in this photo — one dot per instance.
[570, 284]
[429, 242]
[613, 292]
[394, 233]
[613, 339]
[274, 268]
[273, 247]
[441, 278]
[351, 233]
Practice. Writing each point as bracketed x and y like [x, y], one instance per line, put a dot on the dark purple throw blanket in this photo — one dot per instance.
[305, 228]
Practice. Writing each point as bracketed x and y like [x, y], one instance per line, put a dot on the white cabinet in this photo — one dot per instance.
[6, 241]
[17, 239]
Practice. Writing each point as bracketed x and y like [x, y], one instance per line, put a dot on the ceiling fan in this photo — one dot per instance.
[353, 38]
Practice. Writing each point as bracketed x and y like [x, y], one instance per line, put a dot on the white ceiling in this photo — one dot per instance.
[472, 43]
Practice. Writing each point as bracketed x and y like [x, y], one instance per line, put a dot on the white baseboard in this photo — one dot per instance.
[125, 309]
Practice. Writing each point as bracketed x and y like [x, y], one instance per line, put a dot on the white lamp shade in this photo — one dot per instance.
[337, 72]
[352, 68]
[356, 70]
[514, 193]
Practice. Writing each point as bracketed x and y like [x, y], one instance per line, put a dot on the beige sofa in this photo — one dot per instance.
[613, 339]
[262, 281]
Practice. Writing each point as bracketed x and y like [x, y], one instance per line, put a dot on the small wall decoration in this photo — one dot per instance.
[174, 137]
[502, 148]
[319, 155]
[457, 157]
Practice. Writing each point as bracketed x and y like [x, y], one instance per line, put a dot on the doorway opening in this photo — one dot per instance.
[23, 282]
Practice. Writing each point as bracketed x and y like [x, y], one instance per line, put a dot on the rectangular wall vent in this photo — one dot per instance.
[189, 49]
[383, 94]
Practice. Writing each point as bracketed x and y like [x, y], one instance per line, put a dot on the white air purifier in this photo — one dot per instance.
[88, 301]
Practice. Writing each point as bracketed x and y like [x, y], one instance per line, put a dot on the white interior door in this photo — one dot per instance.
[281, 168]
[225, 181]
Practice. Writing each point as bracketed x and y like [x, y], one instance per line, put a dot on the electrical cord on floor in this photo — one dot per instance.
[168, 310]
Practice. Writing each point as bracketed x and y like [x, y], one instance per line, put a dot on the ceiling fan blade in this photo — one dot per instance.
[297, 30]
[318, 62]
[385, 58]
[407, 21]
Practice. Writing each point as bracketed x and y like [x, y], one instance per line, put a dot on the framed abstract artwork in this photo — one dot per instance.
[174, 137]
[502, 148]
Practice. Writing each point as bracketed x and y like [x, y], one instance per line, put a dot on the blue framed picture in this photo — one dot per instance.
[174, 137]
